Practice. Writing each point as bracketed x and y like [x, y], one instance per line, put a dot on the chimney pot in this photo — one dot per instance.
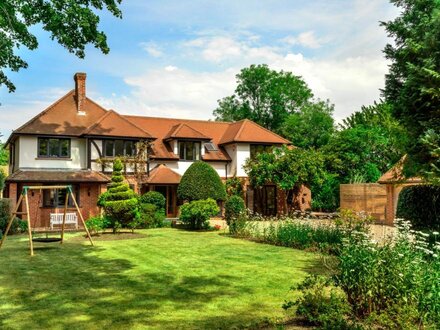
[80, 92]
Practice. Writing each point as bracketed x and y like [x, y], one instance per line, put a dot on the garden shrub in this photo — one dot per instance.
[155, 198]
[150, 216]
[420, 204]
[201, 181]
[321, 304]
[196, 214]
[18, 225]
[234, 206]
[120, 202]
[97, 224]
[400, 275]
[234, 187]
[350, 221]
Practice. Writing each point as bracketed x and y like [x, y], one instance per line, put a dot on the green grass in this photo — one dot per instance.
[167, 279]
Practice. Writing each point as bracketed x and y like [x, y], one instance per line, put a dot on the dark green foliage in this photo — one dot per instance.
[18, 226]
[196, 214]
[74, 24]
[234, 206]
[310, 127]
[155, 198]
[4, 155]
[264, 96]
[321, 304]
[234, 186]
[201, 181]
[2, 180]
[120, 202]
[325, 196]
[411, 84]
[150, 216]
[421, 205]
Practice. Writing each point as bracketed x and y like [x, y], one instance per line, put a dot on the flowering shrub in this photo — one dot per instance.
[380, 279]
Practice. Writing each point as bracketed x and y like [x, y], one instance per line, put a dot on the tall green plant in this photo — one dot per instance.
[120, 203]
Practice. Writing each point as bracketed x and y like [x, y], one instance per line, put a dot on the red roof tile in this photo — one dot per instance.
[163, 175]
[395, 175]
[115, 125]
[58, 176]
[183, 131]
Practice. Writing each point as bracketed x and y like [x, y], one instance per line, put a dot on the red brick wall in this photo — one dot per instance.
[40, 216]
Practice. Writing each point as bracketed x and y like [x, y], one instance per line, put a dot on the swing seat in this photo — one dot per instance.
[46, 239]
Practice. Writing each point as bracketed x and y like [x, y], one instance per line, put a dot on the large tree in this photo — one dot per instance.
[73, 23]
[311, 126]
[413, 82]
[265, 96]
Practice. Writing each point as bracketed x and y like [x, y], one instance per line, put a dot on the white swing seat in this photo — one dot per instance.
[57, 219]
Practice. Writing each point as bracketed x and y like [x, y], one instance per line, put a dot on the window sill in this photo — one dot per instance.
[69, 208]
[54, 158]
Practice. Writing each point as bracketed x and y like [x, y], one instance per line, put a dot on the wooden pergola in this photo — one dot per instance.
[24, 199]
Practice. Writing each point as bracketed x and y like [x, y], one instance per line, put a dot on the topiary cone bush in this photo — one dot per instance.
[120, 202]
[201, 181]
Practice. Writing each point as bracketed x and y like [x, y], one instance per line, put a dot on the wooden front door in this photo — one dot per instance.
[170, 194]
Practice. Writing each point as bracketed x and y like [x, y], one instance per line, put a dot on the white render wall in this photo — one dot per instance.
[243, 152]
[28, 155]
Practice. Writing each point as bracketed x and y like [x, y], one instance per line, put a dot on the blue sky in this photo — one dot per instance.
[177, 58]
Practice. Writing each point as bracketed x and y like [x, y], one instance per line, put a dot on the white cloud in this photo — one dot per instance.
[152, 49]
[306, 39]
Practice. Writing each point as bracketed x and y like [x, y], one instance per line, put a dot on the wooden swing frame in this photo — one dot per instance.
[24, 198]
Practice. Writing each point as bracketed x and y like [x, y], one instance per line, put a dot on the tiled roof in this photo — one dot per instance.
[115, 125]
[162, 174]
[160, 128]
[61, 118]
[247, 131]
[57, 176]
[395, 175]
[183, 131]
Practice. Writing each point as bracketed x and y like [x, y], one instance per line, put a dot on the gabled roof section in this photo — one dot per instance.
[247, 131]
[395, 175]
[114, 125]
[61, 118]
[162, 174]
[184, 131]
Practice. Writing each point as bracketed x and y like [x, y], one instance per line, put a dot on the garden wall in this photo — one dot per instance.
[368, 197]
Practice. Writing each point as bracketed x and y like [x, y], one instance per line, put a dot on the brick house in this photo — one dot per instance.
[66, 143]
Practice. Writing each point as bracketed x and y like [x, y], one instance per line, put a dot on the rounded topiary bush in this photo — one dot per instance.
[155, 198]
[421, 205]
[201, 181]
[234, 206]
[196, 214]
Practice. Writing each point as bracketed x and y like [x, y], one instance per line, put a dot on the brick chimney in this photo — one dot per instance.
[80, 92]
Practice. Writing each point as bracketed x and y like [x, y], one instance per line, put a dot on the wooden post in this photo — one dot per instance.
[31, 244]
[11, 219]
[80, 215]
[64, 215]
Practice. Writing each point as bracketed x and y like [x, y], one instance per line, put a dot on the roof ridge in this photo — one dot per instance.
[44, 111]
[88, 129]
[130, 122]
[182, 119]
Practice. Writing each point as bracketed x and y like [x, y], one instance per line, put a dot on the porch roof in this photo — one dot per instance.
[163, 175]
[83, 176]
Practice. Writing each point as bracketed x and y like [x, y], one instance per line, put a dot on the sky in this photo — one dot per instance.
[173, 58]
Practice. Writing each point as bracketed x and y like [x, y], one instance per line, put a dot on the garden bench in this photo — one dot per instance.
[57, 219]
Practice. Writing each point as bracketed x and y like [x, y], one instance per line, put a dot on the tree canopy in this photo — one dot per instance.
[264, 96]
[412, 83]
[311, 126]
[74, 24]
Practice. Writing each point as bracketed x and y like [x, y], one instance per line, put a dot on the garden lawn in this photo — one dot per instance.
[168, 278]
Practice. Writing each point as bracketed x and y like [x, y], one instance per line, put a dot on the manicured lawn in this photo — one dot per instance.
[168, 278]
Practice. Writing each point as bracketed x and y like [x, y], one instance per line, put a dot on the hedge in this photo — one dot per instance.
[420, 204]
[201, 181]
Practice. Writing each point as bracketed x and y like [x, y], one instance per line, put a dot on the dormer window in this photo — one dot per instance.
[115, 148]
[189, 150]
[53, 148]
